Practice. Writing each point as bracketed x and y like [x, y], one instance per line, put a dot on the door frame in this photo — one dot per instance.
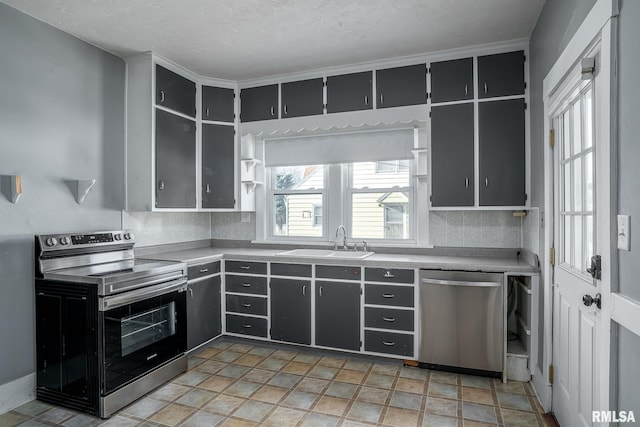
[600, 26]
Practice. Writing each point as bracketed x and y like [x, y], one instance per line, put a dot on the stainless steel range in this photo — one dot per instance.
[109, 327]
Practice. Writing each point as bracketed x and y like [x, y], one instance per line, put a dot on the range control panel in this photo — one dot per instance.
[49, 242]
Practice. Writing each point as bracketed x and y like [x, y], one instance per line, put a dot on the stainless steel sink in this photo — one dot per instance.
[325, 253]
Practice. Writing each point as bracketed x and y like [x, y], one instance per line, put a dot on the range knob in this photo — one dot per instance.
[117, 236]
[51, 241]
[128, 236]
[65, 240]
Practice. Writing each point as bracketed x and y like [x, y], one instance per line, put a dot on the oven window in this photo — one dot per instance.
[143, 329]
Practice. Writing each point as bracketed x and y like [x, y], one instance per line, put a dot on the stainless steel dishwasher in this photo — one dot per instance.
[461, 320]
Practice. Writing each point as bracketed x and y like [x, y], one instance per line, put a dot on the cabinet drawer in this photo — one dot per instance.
[245, 267]
[388, 318]
[338, 272]
[247, 325]
[392, 275]
[246, 304]
[202, 270]
[388, 342]
[401, 296]
[296, 270]
[246, 284]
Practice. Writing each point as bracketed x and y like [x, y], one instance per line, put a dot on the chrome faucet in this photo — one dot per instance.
[344, 237]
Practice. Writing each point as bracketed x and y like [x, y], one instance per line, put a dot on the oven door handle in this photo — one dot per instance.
[130, 297]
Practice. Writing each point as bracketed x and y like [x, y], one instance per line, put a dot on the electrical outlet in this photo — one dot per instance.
[624, 232]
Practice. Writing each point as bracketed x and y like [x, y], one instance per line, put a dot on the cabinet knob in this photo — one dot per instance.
[161, 185]
[208, 189]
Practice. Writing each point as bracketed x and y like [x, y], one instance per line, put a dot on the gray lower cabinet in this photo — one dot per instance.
[302, 98]
[259, 103]
[218, 104]
[291, 310]
[501, 74]
[203, 311]
[338, 314]
[452, 155]
[218, 172]
[175, 161]
[350, 92]
[396, 87]
[175, 92]
[452, 80]
[501, 127]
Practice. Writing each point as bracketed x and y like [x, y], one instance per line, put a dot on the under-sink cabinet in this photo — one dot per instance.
[290, 303]
[204, 321]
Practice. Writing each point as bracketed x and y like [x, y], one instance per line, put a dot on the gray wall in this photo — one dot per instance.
[61, 118]
[628, 195]
[556, 24]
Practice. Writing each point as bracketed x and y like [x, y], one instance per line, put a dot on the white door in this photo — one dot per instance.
[579, 114]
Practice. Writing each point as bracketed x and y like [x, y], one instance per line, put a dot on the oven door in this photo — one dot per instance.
[142, 330]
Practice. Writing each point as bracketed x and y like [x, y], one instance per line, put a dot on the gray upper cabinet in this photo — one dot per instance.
[175, 92]
[291, 310]
[338, 314]
[350, 92]
[452, 155]
[259, 103]
[175, 161]
[400, 86]
[501, 74]
[218, 104]
[302, 98]
[452, 80]
[502, 153]
[218, 172]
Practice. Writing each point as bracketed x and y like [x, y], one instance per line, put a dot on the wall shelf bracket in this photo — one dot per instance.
[12, 187]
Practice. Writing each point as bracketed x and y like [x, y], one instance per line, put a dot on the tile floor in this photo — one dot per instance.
[242, 383]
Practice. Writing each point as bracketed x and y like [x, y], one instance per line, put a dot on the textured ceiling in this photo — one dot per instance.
[244, 39]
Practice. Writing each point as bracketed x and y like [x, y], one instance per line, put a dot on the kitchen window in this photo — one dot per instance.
[362, 180]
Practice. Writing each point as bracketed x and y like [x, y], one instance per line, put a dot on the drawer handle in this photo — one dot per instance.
[387, 274]
[246, 304]
[246, 325]
[388, 295]
[389, 319]
[246, 285]
[204, 270]
[304, 290]
[245, 267]
[389, 343]
[366, 100]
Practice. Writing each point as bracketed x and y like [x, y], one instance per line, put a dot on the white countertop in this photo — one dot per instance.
[468, 263]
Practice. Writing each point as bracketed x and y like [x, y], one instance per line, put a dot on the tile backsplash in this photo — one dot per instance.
[481, 229]
[159, 228]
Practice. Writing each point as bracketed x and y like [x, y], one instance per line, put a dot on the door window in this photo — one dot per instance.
[575, 131]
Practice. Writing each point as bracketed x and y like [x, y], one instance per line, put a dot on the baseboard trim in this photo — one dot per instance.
[17, 392]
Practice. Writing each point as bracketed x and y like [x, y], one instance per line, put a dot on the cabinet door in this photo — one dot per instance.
[338, 315]
[218, 104]
[501, 74]
[204, 320]
[452, 155]
[302, 98]
[175, 92]
[502, 163]
[452, 80]
[291, 310]
[259, 103]
[175, 161]
[401, 86]
[218, 171]
[350, 92]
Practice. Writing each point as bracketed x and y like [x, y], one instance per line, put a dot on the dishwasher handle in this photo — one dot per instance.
[461, 283]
